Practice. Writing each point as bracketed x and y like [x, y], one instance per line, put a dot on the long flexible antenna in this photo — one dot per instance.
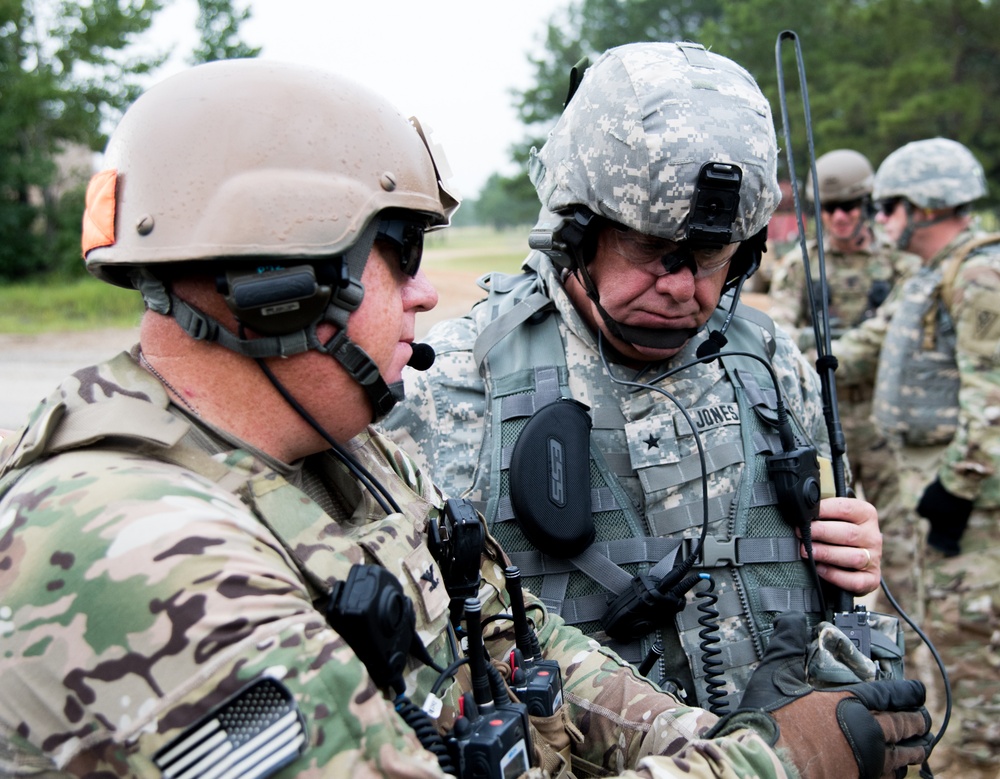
[826, 363]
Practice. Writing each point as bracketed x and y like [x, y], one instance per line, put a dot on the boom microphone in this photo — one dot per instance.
[422, 357]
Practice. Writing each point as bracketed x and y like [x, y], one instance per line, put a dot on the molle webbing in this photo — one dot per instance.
[751, 554]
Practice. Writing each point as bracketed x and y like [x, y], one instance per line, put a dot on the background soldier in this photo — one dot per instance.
[936, 398]
[656, 183]
[210, 565]
[860, 272]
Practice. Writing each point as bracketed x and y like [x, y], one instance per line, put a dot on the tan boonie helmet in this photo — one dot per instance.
[251, 159]
[844, 175]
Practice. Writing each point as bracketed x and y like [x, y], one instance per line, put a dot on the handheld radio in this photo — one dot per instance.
[537, 682]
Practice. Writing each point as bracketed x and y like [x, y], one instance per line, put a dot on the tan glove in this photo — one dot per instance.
[878, 728]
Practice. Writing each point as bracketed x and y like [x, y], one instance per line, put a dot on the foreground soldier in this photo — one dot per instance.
[860, 273]
[937, 348]
[657, 182]
[183, 525]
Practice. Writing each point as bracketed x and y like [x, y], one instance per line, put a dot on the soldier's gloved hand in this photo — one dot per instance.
[948, 515]
[879, 728]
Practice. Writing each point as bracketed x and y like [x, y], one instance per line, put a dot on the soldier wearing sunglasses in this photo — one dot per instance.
[936, 346]
[861, 269]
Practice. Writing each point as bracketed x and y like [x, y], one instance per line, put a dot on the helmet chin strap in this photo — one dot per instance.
[903, 242]
[345, 300]
[653, 338]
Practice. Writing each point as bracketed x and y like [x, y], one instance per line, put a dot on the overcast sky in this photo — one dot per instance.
[450, 63]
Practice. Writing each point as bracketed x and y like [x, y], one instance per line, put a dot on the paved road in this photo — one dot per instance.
[31, 366]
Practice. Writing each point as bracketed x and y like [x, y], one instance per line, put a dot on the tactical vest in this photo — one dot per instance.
[916, 394]
[321, 549]
[751, 554]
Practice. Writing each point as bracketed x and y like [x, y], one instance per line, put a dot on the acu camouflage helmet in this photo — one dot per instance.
[844, 175]
[244, 159]
[933, 173]
[645, 119]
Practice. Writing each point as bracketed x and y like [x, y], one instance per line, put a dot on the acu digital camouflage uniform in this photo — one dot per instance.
[936, 345]
[857, 283]
[629, 147]
[150, 567]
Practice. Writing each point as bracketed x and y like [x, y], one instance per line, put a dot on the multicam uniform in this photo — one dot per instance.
[461, 430]
[145, 576]
[936, 397]
[857, 282]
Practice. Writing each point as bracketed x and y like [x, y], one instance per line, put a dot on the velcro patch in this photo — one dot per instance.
[708, 417]
[980, 335]
[426, 578]
[252, 735]
[99, 215]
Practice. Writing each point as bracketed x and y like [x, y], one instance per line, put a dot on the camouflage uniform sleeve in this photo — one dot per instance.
[788, 295]
[857, 350]
[974, 452]
[440, 420]
[136, 595]
[627, 722]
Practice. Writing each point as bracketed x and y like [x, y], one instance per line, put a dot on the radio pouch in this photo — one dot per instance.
[550, 479]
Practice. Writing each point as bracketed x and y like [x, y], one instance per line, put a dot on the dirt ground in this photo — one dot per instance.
[31, 366]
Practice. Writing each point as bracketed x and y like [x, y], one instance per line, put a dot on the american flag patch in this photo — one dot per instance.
[252, 735]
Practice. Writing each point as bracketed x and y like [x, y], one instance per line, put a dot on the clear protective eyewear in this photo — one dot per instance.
[660, 257]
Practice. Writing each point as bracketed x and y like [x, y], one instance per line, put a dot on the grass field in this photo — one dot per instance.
[87, 304]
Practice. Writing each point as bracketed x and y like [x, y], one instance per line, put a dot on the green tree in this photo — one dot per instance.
[879, 73]
[64, 70]
[506, 201]
[575, 36]
[219, 26]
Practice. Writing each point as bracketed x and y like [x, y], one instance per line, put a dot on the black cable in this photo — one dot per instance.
[448, 673]
[688, 563]
[374, 487]
[426, 731]
[784, 431]
[715, 684]
[934, 653]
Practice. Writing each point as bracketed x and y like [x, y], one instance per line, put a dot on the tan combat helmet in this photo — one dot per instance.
[277, 178]
[844, 175]
[249, 159]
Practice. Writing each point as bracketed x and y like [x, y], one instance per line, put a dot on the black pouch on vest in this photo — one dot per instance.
[550, 479]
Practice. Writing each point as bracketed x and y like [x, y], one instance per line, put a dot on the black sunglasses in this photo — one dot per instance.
[889, 205]
[845, 205]
[408, 237]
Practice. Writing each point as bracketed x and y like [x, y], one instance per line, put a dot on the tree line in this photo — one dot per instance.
[67, 71]
[879, 73]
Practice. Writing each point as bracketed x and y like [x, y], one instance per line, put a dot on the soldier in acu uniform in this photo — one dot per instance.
[936, 344]
[861, 270]
[211, 565]
[656, 184]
